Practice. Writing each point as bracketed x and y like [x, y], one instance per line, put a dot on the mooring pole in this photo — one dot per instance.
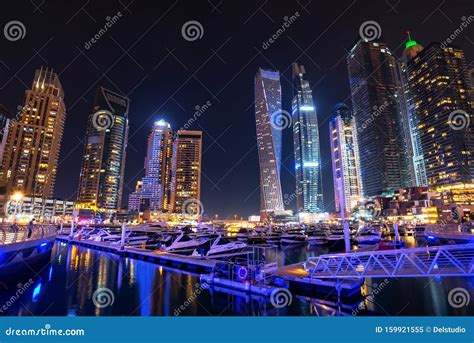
[122, 241]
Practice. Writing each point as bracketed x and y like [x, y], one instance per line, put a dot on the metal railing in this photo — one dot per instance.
[13, 233]
[447, 260]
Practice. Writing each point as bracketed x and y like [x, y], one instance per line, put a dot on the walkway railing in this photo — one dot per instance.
[447, 260]
[12, 233]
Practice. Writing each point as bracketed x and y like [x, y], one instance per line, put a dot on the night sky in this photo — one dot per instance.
[145, 57]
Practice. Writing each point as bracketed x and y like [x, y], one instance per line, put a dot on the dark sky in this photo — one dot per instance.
[144, 56]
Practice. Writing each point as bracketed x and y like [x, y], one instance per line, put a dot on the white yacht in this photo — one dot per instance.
[293, 238]
[221, 247]
[367, 235]
[186, 243]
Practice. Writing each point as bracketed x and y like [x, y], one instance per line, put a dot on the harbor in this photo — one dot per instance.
[247, 274]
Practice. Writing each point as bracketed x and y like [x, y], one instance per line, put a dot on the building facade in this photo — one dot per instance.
[345, 160]
[376, 91]
[154, 190]
[309, 190]
[438, 87]
[409, 119]
[103, 162]
[6, 120]
[185, 192]
[268, 114]
[41, 209]
[31, 155]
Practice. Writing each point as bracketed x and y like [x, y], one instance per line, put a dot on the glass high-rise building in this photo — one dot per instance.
[31, 156]
[376, 91]
[345, 159]
[269, 141]
[439, 90]
[153, 191]
[309, 193]
[103, 162]
[186, 172]
[409, 119]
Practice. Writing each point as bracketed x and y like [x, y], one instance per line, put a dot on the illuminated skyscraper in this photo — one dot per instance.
[31, 156]
[186, 172]
[309, 194]
[409, 119]
[5, 124]
[268, 116]
[154, 189]
[345, 159]
[376, 92]
[438, 87]
[103, 162]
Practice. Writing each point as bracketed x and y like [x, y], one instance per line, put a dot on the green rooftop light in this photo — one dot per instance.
[410, 41]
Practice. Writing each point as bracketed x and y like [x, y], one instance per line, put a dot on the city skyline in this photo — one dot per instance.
[212, 183]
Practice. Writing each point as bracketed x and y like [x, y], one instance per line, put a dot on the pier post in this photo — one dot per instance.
[122, 241]
[347, 236]
[74, 217]
[395, 228]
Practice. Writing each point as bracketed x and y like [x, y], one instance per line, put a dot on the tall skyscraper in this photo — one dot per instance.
[103, 162]
[438, 86]
[345, 159]
[376, 91]
[409, 119]
[31, 157]
[153, 191]
[309, 193]
[268, 116]
[186, 172]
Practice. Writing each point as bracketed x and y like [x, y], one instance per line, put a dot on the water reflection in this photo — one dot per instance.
[66, 286]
